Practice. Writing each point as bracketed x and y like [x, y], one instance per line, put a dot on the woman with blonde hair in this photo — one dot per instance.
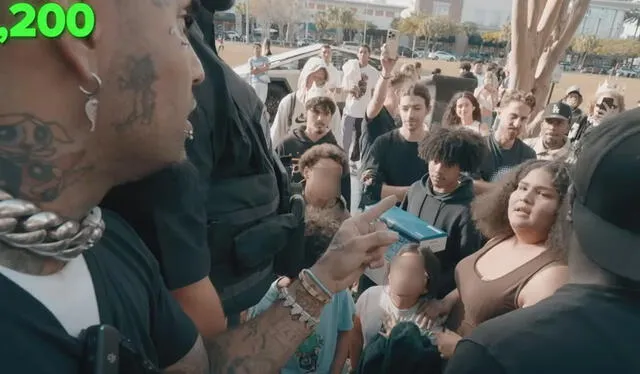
[487, 96]
[608, 101]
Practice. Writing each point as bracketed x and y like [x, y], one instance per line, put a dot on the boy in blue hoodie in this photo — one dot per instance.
[443, 196]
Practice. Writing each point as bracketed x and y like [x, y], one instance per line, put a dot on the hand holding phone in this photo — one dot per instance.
[392, 44]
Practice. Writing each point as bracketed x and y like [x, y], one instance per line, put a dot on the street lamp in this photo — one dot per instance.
[364, 33]
[248, 19]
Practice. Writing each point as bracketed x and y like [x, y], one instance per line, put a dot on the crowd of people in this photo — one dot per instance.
[153, 219]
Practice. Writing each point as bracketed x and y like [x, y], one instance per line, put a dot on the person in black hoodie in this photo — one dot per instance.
[443, 196]
[320, 109]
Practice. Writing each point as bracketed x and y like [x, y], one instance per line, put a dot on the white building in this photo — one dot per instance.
[489, 15]
[375, 12]
[605, 18]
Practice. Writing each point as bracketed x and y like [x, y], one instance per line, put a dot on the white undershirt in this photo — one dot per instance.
[68, 294]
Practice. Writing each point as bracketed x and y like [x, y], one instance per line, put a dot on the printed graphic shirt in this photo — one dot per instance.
[316, 353]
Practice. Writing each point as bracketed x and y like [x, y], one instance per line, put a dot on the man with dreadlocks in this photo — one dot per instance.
[443, 196]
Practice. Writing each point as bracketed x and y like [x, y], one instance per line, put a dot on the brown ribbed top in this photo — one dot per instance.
[481, 300]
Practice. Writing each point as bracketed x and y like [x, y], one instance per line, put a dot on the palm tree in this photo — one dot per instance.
[342, 19]
[412, 26]
[347, 20]
[585, 45]
[469, 28]
[633, 17]
[395, 23]
[322, 23]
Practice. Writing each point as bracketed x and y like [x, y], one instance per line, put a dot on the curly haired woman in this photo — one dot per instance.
[522, 263]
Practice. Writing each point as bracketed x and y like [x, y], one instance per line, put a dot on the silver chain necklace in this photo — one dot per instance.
[24, 226]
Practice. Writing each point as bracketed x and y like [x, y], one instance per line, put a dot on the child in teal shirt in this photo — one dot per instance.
[326, 350]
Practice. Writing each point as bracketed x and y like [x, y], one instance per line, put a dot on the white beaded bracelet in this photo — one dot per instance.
[296, 310]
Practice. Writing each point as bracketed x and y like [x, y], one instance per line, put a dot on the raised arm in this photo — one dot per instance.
[380, 92]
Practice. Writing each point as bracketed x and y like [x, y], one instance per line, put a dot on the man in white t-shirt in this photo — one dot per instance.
[358, 81]
[333, 84]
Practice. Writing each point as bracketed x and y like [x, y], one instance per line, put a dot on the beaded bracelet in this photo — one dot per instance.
[312, 289]
[317, 282]
[296, 310]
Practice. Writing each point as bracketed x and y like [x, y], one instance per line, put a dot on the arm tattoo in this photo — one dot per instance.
[262, 345]
[31, 166]
[136, 83]
[195, 362]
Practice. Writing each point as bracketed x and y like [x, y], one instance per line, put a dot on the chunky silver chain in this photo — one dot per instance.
[24, 226]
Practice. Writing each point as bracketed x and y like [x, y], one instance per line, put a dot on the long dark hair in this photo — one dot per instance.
[451, 118]
[266, 47]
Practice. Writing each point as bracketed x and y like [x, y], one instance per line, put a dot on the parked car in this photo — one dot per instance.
[351, 45]
[286, 66]
[440, 55]
[405, 51]
[626, 72]
[303, 42]
[591, 70]
[420, 54]
[232, 35]
[474, 56]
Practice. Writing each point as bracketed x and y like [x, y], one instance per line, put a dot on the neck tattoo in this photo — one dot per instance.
[26, 232]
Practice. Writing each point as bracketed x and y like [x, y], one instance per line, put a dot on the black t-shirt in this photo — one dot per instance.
[500, 161]
[374, 128]
[131, 297]
[167, 210]
[395, 160]
[580, 329]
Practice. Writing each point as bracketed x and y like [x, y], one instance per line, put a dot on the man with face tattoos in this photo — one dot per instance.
[82, 116]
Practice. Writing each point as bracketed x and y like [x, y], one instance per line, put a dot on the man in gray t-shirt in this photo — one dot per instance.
[259, 66]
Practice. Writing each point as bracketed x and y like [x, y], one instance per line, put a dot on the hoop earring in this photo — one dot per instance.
[91, 106]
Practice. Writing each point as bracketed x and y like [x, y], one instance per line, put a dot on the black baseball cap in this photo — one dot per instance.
[606, 183]
[558, 110]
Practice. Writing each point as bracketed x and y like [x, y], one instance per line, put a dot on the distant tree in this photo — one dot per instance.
[585, 45]
[633, 17]
[469, 28]
[505, 34]
[620, 48]
[322, 23]
[395, 23]
[412, 26]
[341, 19]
